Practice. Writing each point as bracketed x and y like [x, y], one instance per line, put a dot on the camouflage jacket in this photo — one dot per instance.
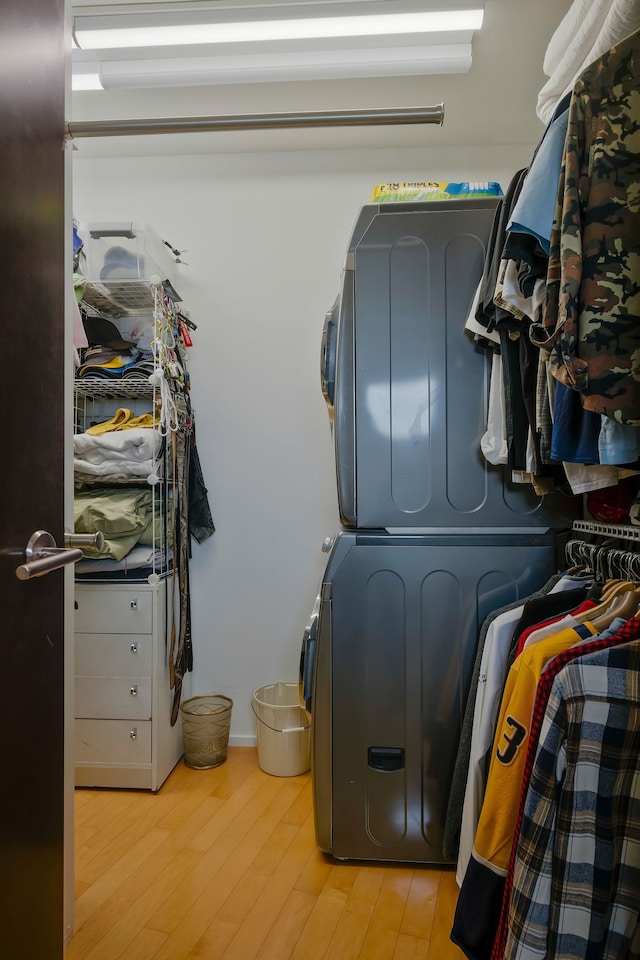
[591, 320]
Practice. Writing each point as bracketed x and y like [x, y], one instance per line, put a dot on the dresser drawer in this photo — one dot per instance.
[113, 698]
[113, 611]
[113, 655]
[112, 741]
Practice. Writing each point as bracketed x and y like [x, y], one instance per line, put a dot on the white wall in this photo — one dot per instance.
[266, 236]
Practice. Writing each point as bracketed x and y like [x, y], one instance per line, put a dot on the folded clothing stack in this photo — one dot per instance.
[124, 516]
[109, 364]
[111, 357]
[123, 419]
[116, 456]
[140, 558]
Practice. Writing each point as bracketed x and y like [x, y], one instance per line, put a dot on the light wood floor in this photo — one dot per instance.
[222, 865]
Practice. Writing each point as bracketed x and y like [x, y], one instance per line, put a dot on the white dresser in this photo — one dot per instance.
[132, 493]
[123, 735]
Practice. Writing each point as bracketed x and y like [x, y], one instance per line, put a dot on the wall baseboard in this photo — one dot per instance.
[239, 741]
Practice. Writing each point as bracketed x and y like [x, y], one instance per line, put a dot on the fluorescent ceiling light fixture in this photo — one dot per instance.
[86, 76]
[107, 32]
[306, 65]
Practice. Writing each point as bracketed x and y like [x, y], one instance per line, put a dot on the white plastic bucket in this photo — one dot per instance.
[283, 730]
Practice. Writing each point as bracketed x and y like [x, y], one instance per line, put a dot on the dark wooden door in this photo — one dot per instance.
[32, 364]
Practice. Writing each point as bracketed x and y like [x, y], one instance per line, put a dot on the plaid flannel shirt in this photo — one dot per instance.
[576, 880]
[629, 631]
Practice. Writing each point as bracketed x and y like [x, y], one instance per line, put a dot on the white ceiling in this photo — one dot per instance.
[493, 104]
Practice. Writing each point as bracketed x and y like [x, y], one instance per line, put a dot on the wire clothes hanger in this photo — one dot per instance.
[603, 561]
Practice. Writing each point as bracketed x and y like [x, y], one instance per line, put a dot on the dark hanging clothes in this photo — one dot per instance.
[201, 525]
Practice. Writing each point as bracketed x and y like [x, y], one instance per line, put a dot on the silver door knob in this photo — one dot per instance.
[42, 556]
[85, 540]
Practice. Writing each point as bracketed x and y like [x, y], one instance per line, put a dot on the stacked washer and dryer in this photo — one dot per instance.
[433, 538]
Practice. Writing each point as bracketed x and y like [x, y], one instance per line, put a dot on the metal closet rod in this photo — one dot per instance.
[257, 121]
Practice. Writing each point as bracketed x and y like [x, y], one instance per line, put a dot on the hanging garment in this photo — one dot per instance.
[618, 442]
[628, 631]
[533, 213]
[482, 892]
[488, 314]
[201, 525]
[575, 430]
[548, 627]
[483, 702]
[593, 296]
[468, 734]
[511, 348]
[493, 442]
[576, 883]
[487, 340]
[589, 29]
[180, 646]
[480, 898]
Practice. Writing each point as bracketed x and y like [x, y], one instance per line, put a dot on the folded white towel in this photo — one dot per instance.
[139, 443]
[111, 472]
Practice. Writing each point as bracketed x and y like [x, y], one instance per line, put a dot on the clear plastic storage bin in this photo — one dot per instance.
[124, 251]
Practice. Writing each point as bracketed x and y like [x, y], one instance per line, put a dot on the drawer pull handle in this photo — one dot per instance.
[134, 648]
[133, 733]
[134, 604]
[134, 690]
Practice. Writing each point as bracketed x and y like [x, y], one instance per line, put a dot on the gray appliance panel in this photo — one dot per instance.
[411, 387]
[344, 424]
[397, 630]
